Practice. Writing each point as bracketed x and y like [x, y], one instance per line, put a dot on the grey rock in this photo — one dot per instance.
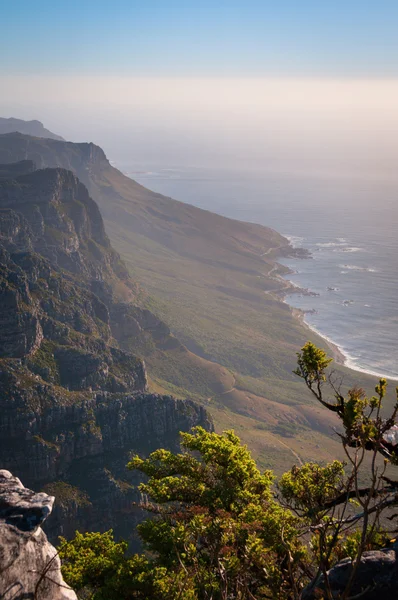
[29, 565]
[375, 579]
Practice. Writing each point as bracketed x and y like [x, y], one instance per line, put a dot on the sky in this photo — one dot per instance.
[200, 38]
[293, 83]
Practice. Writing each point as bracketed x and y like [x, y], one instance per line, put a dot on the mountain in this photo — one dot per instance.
[74, 399]
[33, 128]
[217, 284]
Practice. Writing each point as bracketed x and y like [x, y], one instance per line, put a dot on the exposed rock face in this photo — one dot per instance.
[73, 399]
[376, 578]
[23, 167]
[29, 565]
[84, 159]
[61, 222]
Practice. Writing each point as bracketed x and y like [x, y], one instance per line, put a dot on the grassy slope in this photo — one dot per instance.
[212, 280]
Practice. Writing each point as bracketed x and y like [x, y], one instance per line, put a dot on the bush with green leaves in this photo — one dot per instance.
[220, 529]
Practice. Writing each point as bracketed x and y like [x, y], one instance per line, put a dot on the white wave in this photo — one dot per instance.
[357, 268]
[352, 267]
[330, 244]
[295, 240]
[141, 173]
[352, 249]
[351, 361]
[293, 284]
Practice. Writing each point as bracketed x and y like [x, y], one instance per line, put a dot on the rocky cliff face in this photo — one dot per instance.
[86, 160]
[73, 402]
[29, 565]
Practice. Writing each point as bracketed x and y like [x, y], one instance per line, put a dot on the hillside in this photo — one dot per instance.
[215, 282]
[35, 128]
[74, 399]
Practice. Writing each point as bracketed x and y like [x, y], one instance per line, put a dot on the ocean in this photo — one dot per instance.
[349, 224]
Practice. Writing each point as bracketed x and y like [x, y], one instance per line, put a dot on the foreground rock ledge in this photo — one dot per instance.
[376, 578]
[29, 566]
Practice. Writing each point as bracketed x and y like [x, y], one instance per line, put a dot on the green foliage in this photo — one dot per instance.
[312, 363]
[311, 487]
[215, 527]
[361, 416]
[98, 568]
[225, 476]
[92, 559]
[43, 362]
[349, 546]
[215, 515]
[218, 530]
[67, 494]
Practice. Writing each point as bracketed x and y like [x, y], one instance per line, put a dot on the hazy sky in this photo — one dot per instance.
[293, 84]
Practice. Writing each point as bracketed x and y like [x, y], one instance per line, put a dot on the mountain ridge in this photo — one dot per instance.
[74, 402]
[217, 285]
[34, 128]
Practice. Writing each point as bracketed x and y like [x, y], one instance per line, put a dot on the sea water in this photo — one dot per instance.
[349, 223]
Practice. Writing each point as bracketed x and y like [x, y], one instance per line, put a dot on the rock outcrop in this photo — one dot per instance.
[375, 579]
[73, 397]
[29, 564]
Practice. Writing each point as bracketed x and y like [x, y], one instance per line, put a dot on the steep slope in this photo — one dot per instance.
[73, 403]
[35, 128]
[217, 284]
[206, 270]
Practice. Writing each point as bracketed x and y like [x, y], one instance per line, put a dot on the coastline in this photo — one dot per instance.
[337, 352]
[280, 271]
[288, 288]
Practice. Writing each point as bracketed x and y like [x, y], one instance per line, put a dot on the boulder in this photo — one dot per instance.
[376, 577]
[29, 565]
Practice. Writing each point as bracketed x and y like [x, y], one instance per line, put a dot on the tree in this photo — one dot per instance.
[369, 442]
[220, 529]
[216, 518]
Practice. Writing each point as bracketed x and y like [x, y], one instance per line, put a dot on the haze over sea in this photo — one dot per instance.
[348, 223]
[313, 157]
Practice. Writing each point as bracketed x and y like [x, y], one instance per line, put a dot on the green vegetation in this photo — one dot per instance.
[43, 362]
[67, 494]
[222, 529]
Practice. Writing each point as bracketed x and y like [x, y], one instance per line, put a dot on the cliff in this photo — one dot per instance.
[73, 403]
[29, 564]
[34, 128]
